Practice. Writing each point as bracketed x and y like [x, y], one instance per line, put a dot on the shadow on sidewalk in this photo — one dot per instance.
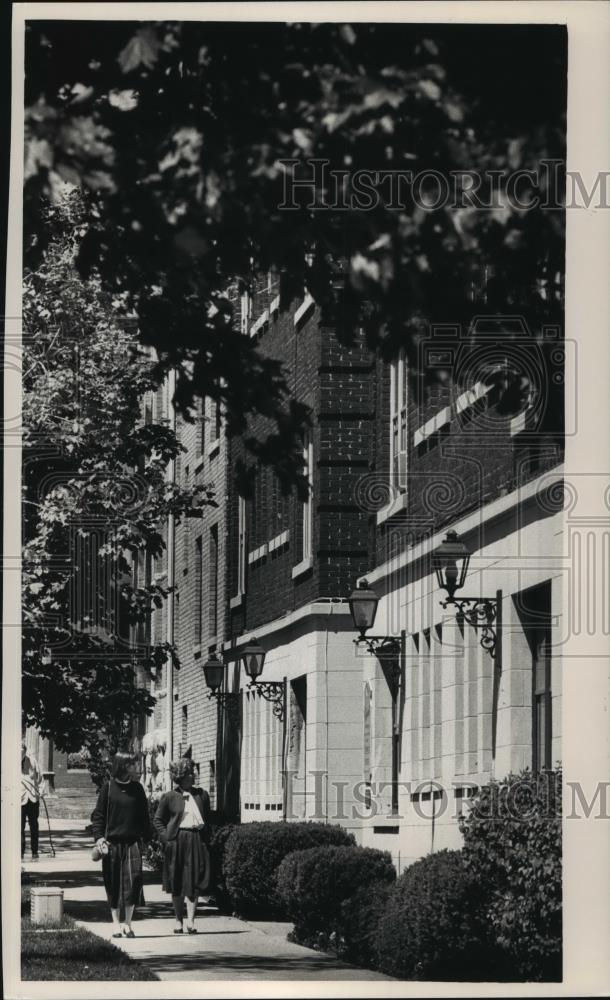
[170, 936]
[65, 879]
[96, 910]
[65, 840]
[249, 966]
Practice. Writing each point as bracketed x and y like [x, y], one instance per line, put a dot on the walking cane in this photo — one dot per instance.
[48, 824]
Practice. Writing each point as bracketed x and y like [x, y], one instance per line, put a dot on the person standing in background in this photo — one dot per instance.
[32, 787]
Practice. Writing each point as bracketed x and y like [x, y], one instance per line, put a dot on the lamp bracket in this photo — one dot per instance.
[380, 645]
[229, 700]
[389, 650]
[481, 613]
[272, 691]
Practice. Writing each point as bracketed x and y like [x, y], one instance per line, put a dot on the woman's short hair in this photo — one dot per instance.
[179, 768]
[121, 762]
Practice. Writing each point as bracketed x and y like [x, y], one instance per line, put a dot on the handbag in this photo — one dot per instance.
[98, 853]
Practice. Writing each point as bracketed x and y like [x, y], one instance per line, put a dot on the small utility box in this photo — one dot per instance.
[47, 904]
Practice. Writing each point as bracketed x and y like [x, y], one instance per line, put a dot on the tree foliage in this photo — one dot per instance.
[96, 495]
[179, 133]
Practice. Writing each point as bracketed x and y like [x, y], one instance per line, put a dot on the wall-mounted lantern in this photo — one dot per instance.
[214, 673]
[450, 562]
[253, 658]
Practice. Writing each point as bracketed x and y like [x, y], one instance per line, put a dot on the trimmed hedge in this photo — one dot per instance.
[360, 916]
[314, 884]
[253, 852]
[512, 843]
[218, 844]
[433, 926]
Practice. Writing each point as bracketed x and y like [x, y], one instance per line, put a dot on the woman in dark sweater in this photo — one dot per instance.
[120, 819]
[182, 821]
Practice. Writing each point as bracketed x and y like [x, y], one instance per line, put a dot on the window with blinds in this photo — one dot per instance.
[262, 760]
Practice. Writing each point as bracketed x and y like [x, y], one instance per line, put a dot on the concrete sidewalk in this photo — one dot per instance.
[225, 948]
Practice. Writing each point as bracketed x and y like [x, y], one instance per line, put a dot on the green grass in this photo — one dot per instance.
[68, 952]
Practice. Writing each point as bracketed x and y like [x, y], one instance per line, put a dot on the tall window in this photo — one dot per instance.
[143, 578]
[201, 441]
[399, 396]
[245, 310]
[367, 746]
[184, 735]
[542, 756]
[534, 609]
[212, 782]
[308, 503]
[213, 592]
[177, 636]
[159, 404]
[217, 420]
[148, 408]
[540, 644]
[241, 546]
[198, 590]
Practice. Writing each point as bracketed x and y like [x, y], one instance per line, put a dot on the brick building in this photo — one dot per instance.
[193, 617]
[292, 562]
[392, 466]
[457, 458]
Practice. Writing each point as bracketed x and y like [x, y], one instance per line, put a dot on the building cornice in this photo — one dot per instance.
[335, 606]
[496, 511]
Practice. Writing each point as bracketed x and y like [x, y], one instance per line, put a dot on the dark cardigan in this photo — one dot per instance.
[170, 810]
[121, 814]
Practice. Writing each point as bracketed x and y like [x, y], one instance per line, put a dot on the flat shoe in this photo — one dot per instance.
[191, 930]
[178, 930]
[117, 934]
[129, 933]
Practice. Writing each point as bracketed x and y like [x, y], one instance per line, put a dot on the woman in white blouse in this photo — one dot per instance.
[182, 821]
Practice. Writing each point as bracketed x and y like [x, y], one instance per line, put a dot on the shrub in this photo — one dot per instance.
[154, 851]
[252, 853]
[314, 884]
[512, 842]
[218, 844]
[360, 916]
[432, 926]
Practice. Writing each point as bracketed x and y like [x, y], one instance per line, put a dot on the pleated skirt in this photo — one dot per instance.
[122, 873]
[186, 867]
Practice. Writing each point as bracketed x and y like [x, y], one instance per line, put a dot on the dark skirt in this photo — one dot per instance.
[122, 872]
[186, 867]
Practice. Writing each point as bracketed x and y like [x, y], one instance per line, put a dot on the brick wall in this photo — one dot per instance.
[194, 715]
[481, 452]
[338, 384]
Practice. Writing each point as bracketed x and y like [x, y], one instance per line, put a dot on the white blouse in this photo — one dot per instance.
[191, 818]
